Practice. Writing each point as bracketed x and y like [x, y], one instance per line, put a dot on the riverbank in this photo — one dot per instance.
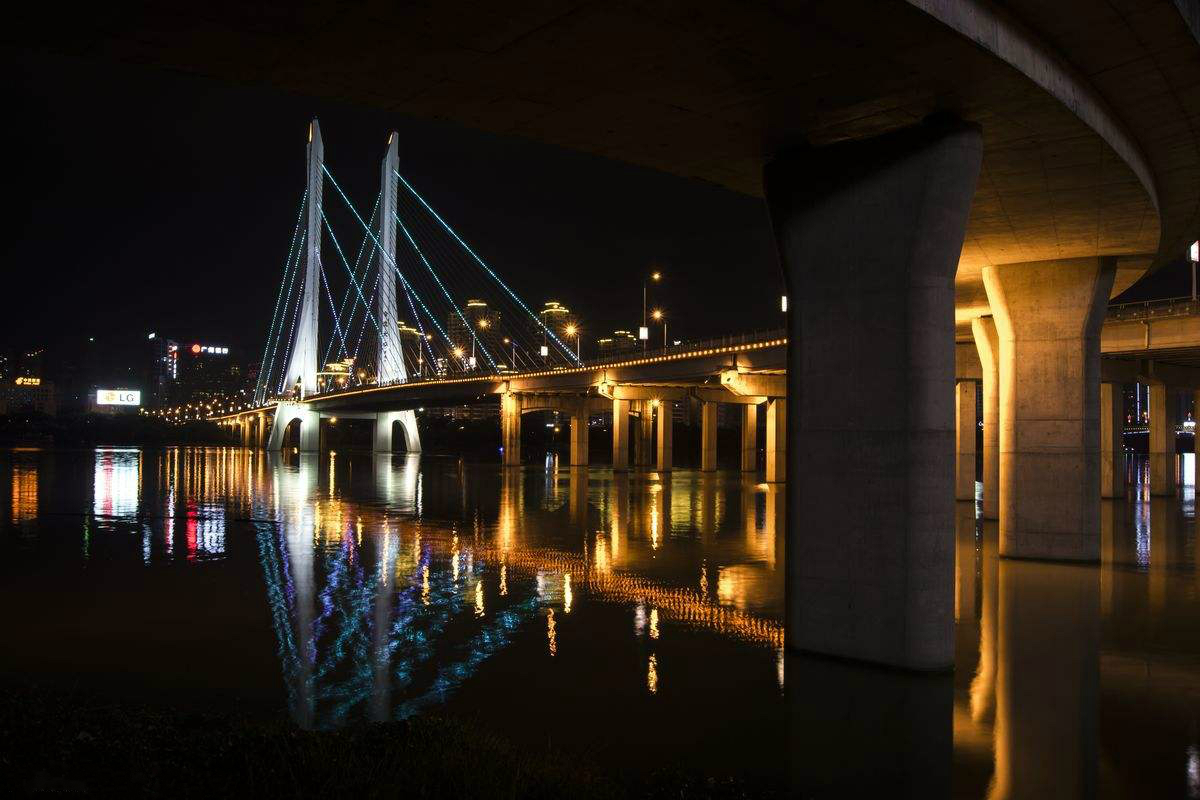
[60, 742]
[95, 430]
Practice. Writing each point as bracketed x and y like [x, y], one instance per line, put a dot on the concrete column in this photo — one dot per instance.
[708, 436]
[777, 440]
[310, 427]
[620, 430]
[870, 233]
[1112, 442]
[385, 426]
[1163, 411]
[749, 438]
[987, 343]
[262, 430]
[579, 436]
[965, 428]
[510, 428]
[666, 435]
[1196, 439]
[1048, 316]
[646, 434]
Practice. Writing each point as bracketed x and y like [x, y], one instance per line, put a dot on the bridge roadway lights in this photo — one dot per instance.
[870, 233]
[1048, 316]
[1164, 409]
[987, 342]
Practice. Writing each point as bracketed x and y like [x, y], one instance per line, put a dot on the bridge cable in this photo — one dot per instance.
[565, 348]
[283, 285]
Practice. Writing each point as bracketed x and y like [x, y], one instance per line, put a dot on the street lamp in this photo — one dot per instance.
[644, 332]
[658, 316]
[573, 330]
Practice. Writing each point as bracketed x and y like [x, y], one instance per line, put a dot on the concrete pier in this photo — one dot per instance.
[870, 233]
[666, 435]
[1048, 316]
[983, 329]
[1112, 443]
[645, 433]
[620, 432]
[965, 427]
[776, 440]
[385, 431]
[510, 428]
[749, 438]
[579, 435]
[708, 436]
[1163, 419]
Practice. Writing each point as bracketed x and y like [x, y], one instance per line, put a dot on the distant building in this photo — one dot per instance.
[553, 318]
[26, 394]
[619, 342]
[474, 327]
[204, 372]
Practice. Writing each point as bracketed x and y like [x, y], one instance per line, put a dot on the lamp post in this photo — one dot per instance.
[644, 332]
[1194, 256]
[658, 316]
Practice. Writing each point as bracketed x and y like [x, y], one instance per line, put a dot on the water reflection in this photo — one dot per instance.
[357, 587]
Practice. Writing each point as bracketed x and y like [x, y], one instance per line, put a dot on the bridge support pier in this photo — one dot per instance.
[1112, 444]
[310, 427]
[579, 435]
[645, 449]
[777, 437]
[384, 426]
[965, 428]
[708, 436]
[620, 432]
[749, 438]
[1048, 316]
[870, 234]
[1196, 439]
[666, 435]
[987, 342]
[1163, 412]
[510, 428]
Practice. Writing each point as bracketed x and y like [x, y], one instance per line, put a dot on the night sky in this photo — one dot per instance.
[144, 200]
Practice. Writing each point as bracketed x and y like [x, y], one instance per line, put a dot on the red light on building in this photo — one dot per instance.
[195, 348]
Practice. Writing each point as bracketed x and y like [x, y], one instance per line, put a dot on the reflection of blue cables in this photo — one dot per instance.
[570, 353]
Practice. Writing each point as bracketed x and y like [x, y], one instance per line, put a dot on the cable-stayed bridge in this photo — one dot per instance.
[408, 314]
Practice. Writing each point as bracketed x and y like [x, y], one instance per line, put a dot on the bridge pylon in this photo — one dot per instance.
[302, 367]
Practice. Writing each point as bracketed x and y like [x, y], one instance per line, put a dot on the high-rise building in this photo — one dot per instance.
[557, 318]
[484, 323]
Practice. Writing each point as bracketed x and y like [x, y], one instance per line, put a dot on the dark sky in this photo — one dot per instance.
[145, 200]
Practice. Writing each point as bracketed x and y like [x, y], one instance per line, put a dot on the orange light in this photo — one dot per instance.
[195, 348]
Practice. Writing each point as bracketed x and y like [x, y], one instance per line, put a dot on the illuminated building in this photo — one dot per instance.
[556, 317]
[27, 394]
[204, 372]
[619, 342]
[484, 323]
[336, 375]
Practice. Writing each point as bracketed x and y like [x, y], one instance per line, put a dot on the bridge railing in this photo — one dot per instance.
[1154, 309]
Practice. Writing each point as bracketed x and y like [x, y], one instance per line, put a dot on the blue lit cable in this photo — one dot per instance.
[337, 326]
[354, 307]
[283, 284]
[287, 305]
[442, 286]
[570, 353]
[404, 280]
[291, 330]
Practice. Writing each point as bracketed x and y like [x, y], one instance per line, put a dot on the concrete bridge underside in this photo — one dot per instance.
[929, 167]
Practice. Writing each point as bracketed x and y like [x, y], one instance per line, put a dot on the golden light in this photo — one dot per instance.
[571, 330]
[458, 352]
[656, 276]
[483, 323]
[656, 315]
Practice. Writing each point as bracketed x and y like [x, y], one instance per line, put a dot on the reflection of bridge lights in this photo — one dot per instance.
[567, 594]
[479, 598]
[654, 623]
[652, 674]
[550, 632]
[503, 580]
